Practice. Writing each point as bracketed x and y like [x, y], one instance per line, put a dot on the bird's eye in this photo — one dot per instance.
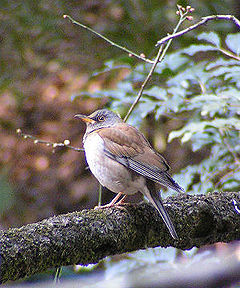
[101, 118]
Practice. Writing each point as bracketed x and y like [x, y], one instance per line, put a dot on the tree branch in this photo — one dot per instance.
[130, 53]
[54, 145]
[160, 56]
[202, 22]
[90, 235]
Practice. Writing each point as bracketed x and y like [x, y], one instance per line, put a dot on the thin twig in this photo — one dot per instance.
[144, 84]
[130, 53]
[158, 59]
[100, 194]
[202, 22]
[229, 54]
[65, 143]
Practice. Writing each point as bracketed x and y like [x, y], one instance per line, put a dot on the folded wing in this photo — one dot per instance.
[130, 148]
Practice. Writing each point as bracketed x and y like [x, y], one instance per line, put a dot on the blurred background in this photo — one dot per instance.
[45, 62]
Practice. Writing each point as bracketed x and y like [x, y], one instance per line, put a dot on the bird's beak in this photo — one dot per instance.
[84, 118]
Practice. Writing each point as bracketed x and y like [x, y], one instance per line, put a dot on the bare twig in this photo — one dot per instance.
[54, 145]
[161, 53]
[130, 53]
[202, 22]
[144, 84]
[229, 54]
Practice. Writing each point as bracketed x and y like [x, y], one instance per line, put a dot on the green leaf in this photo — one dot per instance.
[110, 66]
[223, 70]
[175, 60]
[234, 76]
[232, 184]
[222, 62]
[198, 127]
[209, 104]
[233, 42]
[157, 92]
[211, 37]
[195, 73]
[85, 268]
[145, 107]
[209, 136]
[193, 49]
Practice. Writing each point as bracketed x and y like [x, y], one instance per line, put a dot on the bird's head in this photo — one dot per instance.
[99, 119]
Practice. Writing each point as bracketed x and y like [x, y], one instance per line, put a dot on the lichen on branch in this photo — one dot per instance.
[90, 235]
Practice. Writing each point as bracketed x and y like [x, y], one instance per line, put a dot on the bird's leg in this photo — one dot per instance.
[115, 199]
[120, 202]
[113, 202]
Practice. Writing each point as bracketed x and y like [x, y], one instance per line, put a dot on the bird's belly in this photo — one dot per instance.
[109, 172]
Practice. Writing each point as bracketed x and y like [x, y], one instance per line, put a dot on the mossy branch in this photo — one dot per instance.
[90, 235]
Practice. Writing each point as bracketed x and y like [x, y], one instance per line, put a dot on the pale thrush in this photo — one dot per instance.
[122, 160]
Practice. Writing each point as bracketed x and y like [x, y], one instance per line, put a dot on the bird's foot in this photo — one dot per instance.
[109, 205]
[113, 203]
[117, 205]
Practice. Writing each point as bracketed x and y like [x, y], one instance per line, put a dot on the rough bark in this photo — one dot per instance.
[90, 235]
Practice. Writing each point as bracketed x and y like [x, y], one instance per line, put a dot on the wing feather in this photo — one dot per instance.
[126, 145]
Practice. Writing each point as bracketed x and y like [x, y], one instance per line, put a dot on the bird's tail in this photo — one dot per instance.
[155, 198]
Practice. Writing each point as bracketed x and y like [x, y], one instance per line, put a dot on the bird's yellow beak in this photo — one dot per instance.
[84, 118]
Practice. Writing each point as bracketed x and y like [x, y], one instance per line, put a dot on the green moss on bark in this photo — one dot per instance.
[90, 235]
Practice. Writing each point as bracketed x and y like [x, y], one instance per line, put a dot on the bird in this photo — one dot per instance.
[122, 160]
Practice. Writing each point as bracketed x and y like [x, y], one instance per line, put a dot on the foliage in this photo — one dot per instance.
[204, 94]
[41, 53]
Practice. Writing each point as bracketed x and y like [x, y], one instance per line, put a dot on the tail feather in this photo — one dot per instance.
[162, 211]
[156, 200]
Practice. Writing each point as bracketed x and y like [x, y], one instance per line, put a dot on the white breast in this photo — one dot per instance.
[94, 151]
[109, 173]
[98, 162]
